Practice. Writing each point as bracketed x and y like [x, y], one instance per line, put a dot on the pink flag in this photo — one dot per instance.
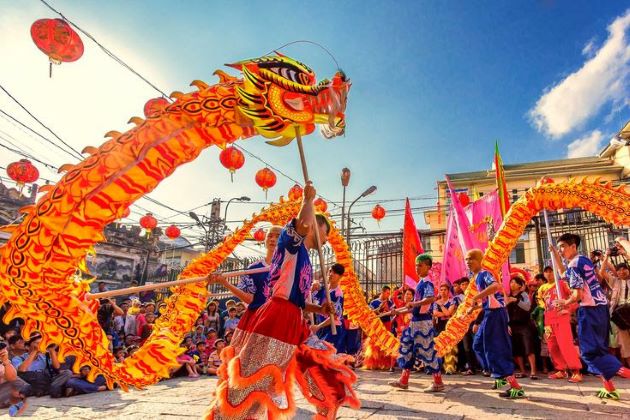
[462, 222]
[485, 214]
[453, 264]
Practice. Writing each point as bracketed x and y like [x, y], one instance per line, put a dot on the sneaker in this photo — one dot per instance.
[576, 378]
[434, 388]
[513, 393]
[611, 395]
[560, 374]
[398, 384]
[499, 383]
[486, 373]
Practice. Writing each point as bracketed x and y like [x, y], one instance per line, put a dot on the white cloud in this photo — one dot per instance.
[587, 145]
[602, 79]
[589, 48]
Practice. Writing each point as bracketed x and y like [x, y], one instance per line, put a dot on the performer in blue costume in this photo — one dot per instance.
[323, 330]
[592, 314]
[492, 343]
[416, 342]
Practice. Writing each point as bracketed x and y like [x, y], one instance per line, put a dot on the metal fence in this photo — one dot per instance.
[378, 258]
[595, 233]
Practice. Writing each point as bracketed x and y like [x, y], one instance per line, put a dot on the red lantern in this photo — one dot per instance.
[172, 232]
[56, 39]
[22, 172]
[232, 159]
[126, 213]
[295, 193]
[320, 205]
[148, 222]
[378, 213]
[463, 199]
[265, 178]
[154, 106]
[260, 235]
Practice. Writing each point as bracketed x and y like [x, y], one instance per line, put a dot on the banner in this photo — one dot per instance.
[412, 247]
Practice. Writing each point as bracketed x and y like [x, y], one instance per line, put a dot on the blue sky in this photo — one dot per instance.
[434, 84]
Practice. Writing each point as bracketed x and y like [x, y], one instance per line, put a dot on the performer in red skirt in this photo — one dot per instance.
[277, 349]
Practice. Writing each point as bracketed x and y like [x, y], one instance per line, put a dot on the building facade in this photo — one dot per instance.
[613, 164]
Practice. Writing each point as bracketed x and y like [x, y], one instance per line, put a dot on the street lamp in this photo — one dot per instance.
[345, 180]
[363, 194]
[243, 198]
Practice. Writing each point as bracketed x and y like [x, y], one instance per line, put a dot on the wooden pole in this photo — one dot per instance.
[298, 136]
[553, 259]
[144, 288]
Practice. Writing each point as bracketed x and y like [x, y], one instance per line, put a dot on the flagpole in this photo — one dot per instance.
[298, 137]
[553, 260]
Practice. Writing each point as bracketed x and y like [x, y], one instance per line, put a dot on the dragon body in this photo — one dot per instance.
[276, 97]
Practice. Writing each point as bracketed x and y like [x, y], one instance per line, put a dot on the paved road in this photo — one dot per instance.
[465, 397]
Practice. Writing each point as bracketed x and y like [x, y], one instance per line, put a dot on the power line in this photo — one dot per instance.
[41, 123]
[107, 51]
[36, 133]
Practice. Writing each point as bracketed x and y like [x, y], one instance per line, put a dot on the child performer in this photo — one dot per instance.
[492, 343]
[323, 329]
[592, 314]
[417, 338]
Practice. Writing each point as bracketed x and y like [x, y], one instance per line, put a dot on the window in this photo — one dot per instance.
[514, 195]
[517, 256]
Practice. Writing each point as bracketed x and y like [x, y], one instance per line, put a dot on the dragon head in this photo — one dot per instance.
[279, 94]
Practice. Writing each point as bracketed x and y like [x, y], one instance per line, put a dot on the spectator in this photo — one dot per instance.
[147, 328]
[198, 335]
[106, 312]
[119, 320]
[16, 346]
[189, 363]
[120, 354]
[232, 321]
[212, 316]
[228, 336]
[12, 388]
[519, 307]
[618, 279]
[443, 309]
[211, 337]
[202, 363]
[79, 384]
[41, 371]
[240, 309]
[230, 303]
[141, 318]
[130, 320]
[214, 360]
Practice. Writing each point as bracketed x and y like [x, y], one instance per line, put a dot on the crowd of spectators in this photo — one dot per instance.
[26, 371]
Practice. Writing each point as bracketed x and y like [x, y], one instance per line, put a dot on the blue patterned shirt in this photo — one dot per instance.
[581, 275]
[256, 284]
[291, 272]
[424, 289]
[484, 279]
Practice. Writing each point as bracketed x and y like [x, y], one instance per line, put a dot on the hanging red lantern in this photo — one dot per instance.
[320, 205]
[260, 235]
[154, 106]
[265, 178]
[295, 193]
[126, 213]
[463, 199]
[172, 232]
[232, 159]
[56, 39]
[22, 172]
[378, 213]
[148, 222]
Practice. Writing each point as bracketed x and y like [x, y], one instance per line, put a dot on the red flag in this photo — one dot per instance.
[411, 248]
